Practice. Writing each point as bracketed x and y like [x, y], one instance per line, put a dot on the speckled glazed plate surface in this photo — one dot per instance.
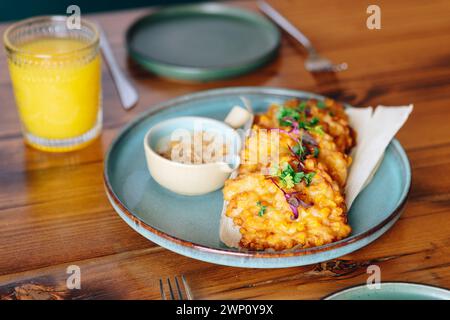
[392, 291]
[190, 225]
[202, 42]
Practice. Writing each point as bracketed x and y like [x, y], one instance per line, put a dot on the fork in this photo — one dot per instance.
[314, 62]
[175, 288]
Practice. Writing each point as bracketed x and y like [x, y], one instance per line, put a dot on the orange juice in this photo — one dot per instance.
[58, 98]
[55, 71]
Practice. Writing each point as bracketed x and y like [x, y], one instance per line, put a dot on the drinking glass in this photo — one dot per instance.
[56, 76]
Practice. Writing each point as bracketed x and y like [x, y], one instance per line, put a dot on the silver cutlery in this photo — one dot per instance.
[176, 289]
[314, 62]
[127, 92]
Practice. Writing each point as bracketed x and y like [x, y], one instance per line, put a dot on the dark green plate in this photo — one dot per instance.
[202, 42]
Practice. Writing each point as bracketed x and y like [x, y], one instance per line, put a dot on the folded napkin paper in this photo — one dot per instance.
[375, 129]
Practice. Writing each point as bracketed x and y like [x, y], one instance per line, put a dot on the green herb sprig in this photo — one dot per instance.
[262, 208]
[321, 104]
[286, 116]
[289, 177]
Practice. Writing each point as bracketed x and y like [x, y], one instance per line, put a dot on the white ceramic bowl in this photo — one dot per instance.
[190, 179]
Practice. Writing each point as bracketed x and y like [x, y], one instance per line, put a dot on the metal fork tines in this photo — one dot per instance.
[314, 62]
[176, 289]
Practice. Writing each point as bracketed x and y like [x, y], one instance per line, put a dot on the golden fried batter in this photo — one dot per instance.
[288, 193]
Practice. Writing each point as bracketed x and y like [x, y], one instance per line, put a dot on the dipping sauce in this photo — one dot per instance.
[195, 148]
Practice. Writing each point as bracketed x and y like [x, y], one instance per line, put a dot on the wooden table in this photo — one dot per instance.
[54, 212]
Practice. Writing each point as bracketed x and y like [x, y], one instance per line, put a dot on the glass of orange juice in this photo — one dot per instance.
[56, 76]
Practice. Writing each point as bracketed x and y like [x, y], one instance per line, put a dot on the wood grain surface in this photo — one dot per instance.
[54, 211]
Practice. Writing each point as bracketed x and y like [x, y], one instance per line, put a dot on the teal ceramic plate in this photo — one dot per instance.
[202, 42]
[190, 225]
[392, 291]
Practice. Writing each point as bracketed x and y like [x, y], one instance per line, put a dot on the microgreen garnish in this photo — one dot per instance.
[312, 126]
[299, 150]
[286, 116]
[293, 200]
[289, 178]
[321, 105]
[316, 129]
[307, 177]
[316, 152]
[262, 208]
[302, 106]
[314, 121]
[294, 118]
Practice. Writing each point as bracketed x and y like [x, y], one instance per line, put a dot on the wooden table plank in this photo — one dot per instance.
[54, 212]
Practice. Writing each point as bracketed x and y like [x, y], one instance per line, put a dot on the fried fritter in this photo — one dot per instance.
[322, 220]
[288, 193]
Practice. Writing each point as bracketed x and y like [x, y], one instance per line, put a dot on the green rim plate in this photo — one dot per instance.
[392, 291]
[190, 225]
[202, 42]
